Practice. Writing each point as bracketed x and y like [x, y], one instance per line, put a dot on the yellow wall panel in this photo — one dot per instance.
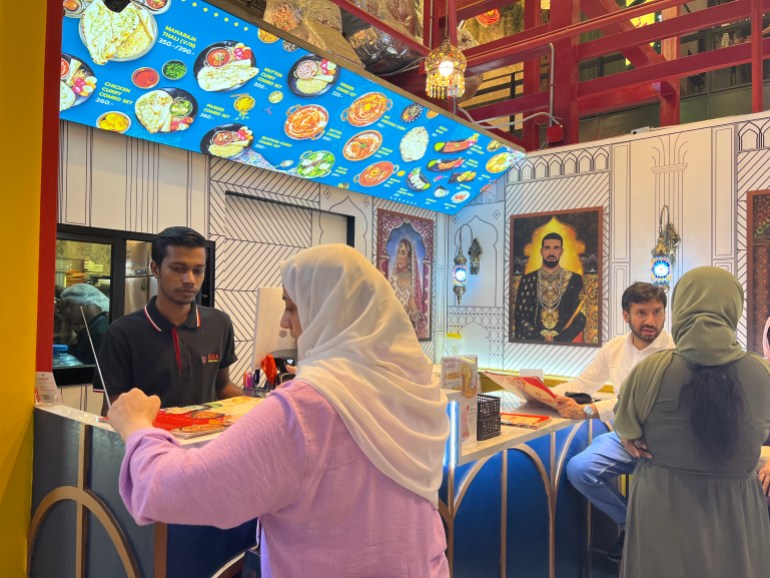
[22, 33]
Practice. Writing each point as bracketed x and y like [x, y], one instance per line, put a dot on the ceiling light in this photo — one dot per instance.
[445, 68]
[664, 253]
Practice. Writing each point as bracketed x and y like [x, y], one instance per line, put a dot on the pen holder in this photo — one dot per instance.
[488, 422]
[254, 392]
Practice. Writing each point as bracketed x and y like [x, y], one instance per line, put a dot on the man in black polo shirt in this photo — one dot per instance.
[172, 347]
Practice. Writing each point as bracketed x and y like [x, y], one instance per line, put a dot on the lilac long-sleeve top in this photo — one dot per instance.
[326, 511]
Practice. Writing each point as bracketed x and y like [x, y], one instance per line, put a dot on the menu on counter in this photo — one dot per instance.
[186, 74]
[198, 420]
[529, 383]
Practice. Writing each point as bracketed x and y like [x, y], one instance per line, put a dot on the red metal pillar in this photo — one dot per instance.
[565, 105]
[451, 20]
[670, 91]
[49, 193]
[431, 33]
[757, 104]
[531, 130]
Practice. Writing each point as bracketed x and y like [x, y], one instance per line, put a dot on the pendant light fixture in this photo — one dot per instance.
[460, 270]
[445, 66]
[664, 253]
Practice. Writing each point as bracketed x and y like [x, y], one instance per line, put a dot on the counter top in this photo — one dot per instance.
[101, 423]
[512, 436]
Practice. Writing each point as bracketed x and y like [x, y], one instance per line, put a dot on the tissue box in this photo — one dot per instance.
[460, 372]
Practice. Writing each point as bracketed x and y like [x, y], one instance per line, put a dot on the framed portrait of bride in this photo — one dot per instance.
[555, 277]
[405, 257]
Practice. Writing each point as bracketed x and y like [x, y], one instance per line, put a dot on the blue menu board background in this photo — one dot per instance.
[350, 132]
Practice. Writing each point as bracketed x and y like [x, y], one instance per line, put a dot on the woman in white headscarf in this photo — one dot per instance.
[698, 414]
[342, 464]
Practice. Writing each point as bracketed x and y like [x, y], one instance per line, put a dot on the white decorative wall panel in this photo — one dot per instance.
[724, 167]
[74, 175]
[114, 194]
[703, 171]
[620, 215]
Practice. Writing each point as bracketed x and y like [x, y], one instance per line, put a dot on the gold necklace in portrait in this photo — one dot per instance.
[550, 288]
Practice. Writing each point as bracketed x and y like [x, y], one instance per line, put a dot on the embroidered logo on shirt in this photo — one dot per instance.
[210, 358]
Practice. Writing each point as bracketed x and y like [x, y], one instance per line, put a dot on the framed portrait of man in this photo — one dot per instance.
[405, 257]
[555, 277]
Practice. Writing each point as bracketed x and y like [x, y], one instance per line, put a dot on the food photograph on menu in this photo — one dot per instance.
[186, 74]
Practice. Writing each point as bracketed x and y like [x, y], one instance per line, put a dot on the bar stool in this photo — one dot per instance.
[622, 481]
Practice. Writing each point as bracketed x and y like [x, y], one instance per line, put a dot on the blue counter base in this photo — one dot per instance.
[515, 514]
[80, 526]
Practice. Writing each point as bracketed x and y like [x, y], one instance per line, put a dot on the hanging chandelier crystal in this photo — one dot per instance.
[445, 67]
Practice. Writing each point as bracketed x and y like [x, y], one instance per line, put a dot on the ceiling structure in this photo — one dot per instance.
[530, 67]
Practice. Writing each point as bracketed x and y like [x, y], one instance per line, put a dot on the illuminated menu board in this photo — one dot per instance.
[186, 74]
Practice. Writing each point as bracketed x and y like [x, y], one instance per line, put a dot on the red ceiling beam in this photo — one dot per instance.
[678, 26]
[496, 54]
[757, 71]
[481, 58]
[670, 100]
[510, 50]
[471, 8]
[507, 136]
[519, 105]
[641, 55]
[687, 66]
[530, 131]
[411, 81]
[624, 97]
[638, 55]
[565, 14]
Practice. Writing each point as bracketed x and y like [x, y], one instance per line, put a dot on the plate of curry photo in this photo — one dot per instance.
[306, 122]
[312, 75]
[367, 109]
[375, 174]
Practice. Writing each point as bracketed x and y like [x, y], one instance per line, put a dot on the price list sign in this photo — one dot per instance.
[186, 74]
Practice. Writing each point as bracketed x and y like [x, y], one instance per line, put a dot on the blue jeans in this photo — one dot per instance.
[593, 472]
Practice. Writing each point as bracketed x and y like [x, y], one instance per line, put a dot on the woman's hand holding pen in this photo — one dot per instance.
[133, 411]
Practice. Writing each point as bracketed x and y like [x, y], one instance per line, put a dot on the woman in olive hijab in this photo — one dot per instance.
[699, 414]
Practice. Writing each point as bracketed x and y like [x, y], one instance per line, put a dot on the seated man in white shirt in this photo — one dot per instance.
[593, 471]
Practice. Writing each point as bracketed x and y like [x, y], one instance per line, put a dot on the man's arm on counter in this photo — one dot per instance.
[591, 379]
[224, 387]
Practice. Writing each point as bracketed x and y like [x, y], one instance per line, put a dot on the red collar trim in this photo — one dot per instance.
[155, 325]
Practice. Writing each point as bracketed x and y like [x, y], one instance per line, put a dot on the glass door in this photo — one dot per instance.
[101, 275]
[139, 284]
[83, 294]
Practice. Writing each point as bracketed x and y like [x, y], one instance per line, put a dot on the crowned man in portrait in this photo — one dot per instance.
[549, 303]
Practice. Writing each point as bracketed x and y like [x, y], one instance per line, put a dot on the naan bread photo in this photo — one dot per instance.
[66, 96]
[153, 110]
[140, 39]
[109, 34]
[231, 75]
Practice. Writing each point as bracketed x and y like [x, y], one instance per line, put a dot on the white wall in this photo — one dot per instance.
[116, 182]
[702, 171]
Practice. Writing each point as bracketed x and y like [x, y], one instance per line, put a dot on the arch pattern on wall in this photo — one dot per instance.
[751, 174]
[753, 135]
[568, 163]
